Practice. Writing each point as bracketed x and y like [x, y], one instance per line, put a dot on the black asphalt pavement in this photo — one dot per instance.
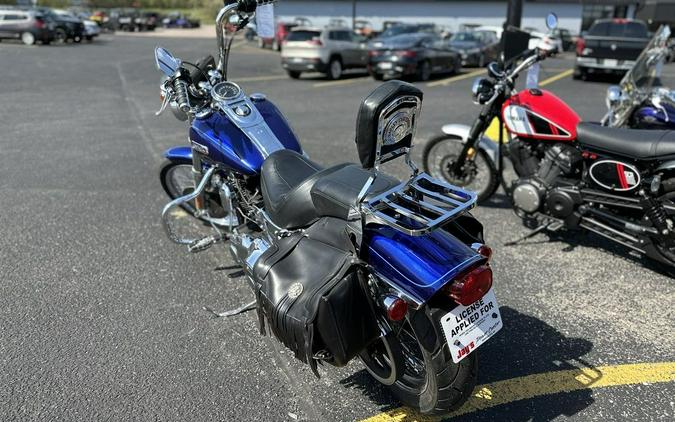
[102, 316]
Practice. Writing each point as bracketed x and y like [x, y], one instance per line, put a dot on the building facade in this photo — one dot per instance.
[575, 15]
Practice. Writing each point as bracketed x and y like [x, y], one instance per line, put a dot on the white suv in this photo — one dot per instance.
[329, 51]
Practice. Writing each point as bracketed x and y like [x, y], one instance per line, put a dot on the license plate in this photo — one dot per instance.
[298, 59]
[467, 327]
[611, 62]
[385, 65]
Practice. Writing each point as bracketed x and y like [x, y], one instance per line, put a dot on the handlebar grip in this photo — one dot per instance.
[180, 88]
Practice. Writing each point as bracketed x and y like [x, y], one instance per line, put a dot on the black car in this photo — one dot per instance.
[397, 29]
[476, 48]
[566, 36]
[28, 26]
[65, 27]
[412, 55]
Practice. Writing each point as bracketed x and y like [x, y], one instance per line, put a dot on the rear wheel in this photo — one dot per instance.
[335, 68]
[667, 249]
[580, 73]
[28, 38]
[478, 175]
[60, 35]
[294, 74]
[423, 375]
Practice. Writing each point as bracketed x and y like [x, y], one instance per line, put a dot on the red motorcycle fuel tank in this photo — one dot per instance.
[539, 114]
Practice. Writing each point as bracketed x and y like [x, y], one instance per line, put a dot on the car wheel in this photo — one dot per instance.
[335, 69]
[28, 38]
[294, 74]
[580, 73]
[77, 39]
[423, 71]
[378, 76]
[60, 35]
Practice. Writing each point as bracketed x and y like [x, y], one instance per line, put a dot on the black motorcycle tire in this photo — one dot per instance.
[446, 385]
[164, 172]
[493, 183]
[669, 195]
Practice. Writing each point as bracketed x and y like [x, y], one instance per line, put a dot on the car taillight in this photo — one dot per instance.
[39, 23]
[472, 286]
[374, 53]
[581, 45]
[406, 53]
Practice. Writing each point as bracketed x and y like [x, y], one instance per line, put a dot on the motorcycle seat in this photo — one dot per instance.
[633, 143]
[298, 191]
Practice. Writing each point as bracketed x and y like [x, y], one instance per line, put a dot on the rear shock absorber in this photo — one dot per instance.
[657, 214]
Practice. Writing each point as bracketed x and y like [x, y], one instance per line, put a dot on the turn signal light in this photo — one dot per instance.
[396, 307]
[472, 286]
[581, 46]
[486, 251]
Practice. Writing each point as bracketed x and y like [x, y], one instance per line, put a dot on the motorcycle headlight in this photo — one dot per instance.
[482, 90]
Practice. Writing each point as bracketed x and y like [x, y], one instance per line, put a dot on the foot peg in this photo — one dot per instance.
[240, 310]
[204, 243]
[552, 225]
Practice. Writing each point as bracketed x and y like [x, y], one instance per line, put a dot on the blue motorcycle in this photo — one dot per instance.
[639, 102]
[344, 261]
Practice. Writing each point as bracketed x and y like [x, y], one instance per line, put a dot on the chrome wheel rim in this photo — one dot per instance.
[28, 38]
[180, 182]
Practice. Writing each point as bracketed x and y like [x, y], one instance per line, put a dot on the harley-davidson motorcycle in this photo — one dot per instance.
[344, 261]
[639, 101]
[618, 183]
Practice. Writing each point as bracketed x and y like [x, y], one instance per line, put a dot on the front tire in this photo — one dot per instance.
[177, 180]
[481, 174]
[428, 380]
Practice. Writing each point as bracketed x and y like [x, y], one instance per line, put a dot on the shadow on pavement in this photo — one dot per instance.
[525, 346]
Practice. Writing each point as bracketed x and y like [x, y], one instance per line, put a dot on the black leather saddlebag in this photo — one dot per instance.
[309, 293]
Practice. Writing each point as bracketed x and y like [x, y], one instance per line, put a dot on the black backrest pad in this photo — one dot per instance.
[369, 113]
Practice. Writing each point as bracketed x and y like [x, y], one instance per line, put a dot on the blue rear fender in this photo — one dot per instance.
[418, 266]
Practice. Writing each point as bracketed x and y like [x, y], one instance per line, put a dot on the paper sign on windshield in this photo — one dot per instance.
[264, 20]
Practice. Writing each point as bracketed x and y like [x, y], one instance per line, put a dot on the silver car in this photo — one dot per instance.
[330, 51]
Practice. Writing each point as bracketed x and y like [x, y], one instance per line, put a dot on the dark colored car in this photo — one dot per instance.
[65, 27]
[178, 20]
[568, 41]
[610, 46]
[476, 48]
[412, 55]
[400, 29]
[25, 25]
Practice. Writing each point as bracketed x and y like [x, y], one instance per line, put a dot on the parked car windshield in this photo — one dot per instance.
[464, 37]
[619, 29]
[303, 35]
[398, 30]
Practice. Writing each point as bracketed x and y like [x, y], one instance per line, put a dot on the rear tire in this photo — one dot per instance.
[60, 36]
[438, 154]
[424, 71]
[378, 76]
[294, 74]
[580, 73]
[428, 381]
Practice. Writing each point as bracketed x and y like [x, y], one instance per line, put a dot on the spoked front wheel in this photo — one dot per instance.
[177, 180]
[415, 363]
[478, 174]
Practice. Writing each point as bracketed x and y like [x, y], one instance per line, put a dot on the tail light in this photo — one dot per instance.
[39, 23]
[581, 45]
[472, 286]
[374, 53]
[406, 53]
[485, 251]
[396, 307]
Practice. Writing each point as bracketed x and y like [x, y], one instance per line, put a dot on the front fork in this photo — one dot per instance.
[197, 175]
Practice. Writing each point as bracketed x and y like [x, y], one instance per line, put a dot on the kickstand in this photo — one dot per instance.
[553, 225]
[240, 310]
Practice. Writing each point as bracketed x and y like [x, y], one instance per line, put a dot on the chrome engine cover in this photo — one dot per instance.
[527, 196]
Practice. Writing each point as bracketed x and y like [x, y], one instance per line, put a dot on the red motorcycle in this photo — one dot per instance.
[618, 183]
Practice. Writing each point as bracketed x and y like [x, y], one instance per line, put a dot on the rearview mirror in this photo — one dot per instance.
[552, 21]
[613, 96]
[166, 62]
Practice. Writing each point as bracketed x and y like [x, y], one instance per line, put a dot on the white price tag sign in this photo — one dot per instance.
[264, 20]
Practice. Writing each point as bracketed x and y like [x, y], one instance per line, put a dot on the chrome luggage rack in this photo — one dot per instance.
[419, 205]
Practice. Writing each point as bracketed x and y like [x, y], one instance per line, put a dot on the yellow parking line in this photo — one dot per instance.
[560, 75]
[556, 382]
[340, 82]
[456, 78]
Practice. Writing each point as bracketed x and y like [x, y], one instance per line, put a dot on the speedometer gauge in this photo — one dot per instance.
[225, 91]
